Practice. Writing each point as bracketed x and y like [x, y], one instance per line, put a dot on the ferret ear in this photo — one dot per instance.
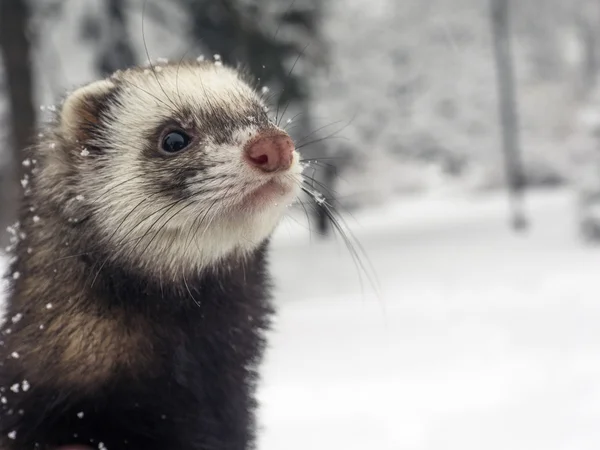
[82, 110]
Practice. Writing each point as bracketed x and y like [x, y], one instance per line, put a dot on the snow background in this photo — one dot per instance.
[481, 338]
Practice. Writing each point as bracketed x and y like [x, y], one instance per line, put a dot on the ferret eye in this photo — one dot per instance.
[175, 141]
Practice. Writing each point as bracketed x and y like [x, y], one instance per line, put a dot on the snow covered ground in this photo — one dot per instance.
[481, 339]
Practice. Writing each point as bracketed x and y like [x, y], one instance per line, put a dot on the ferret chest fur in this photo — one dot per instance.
[130, 361]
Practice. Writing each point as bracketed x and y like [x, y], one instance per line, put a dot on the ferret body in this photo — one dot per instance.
[139, 293]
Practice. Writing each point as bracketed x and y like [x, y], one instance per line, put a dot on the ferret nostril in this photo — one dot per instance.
[270, 153]
[259, 160]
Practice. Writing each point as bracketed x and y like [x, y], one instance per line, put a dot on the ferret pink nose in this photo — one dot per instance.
[271, 153]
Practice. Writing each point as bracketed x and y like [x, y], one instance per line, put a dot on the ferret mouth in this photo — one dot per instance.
[273, 191]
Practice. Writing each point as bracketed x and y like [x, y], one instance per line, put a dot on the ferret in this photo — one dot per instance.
[139, 291]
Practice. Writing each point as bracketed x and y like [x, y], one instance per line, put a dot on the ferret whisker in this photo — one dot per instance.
[121, 183]
[278, 105]
[321, 200]
[324, 165]
[219, 198]
[361, 254]
[324, 158]
[162, 227]
[285, 108]
[124, 240]
[290, 124]
[310, 230]
[345, 239]
[291, 129]
[199, 219]
[320, 163]
[333, 135]
[279, 119]
[206, 228]
[144, 200]
[316, 141]
[269, 97]
[352, 243]
[155, 222]
[312, 133]
[287, 128]
[190, 229]
[121, 243]
[331, 194]
[283, 89]
[152, 68]
[139, 239]
[193, 229]
[308, 221]
[287, 11]
[311, 205]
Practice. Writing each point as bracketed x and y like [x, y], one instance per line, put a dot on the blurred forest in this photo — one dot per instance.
[394, 96]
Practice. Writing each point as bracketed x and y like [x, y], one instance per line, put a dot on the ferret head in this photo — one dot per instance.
[174, 168]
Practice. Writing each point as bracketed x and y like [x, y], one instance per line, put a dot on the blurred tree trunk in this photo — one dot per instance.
[329, 174]
[587, 20]
[15, 48]
[116, 53]
[508, 110]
